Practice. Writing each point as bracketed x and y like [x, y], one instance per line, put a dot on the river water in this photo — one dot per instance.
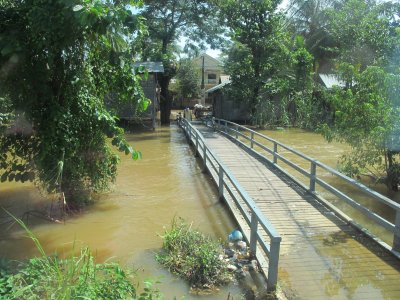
[124, 225]
[315, 146]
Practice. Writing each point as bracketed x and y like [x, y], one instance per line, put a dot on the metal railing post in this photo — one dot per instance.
[197, 144]
[396, 238]
[252, 140]
[313, 173]
[204, 158]
[253, 234]
[273, 263]
[236, 132]
[275, 152]
[221, 182]
[226, 127]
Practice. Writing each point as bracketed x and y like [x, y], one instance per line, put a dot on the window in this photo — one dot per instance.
[212, 78]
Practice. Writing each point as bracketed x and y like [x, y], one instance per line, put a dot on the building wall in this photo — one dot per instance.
[212, 70]
[149, 88]
[228, 109]
[127, 110]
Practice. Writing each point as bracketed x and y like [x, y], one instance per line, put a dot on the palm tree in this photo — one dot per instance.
[308, 19]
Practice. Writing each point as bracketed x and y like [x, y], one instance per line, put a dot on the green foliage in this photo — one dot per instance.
[5, 282]
[364, 31]
[6, 114]
[76, 277]
[59, 60]
[168, 21]
[309, 101]
[258, 53]
[367, 116]
[309, 19]
[193, 256]
[188, 80]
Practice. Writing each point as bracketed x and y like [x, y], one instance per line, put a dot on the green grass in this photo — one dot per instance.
[193, 256]
[76, 277]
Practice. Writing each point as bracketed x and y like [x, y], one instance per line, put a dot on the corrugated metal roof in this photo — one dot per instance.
[217, 87]
[331, 80]
[151, 66]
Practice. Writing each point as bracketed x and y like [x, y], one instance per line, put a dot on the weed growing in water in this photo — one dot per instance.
[193, 256]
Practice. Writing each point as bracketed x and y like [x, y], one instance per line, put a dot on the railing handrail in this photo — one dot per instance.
[257, 217]
[313, 177]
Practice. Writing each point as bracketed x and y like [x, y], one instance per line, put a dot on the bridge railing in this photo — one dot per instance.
[240, 133]
[229, 188]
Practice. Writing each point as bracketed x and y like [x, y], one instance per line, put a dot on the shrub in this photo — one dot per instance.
[193, 256]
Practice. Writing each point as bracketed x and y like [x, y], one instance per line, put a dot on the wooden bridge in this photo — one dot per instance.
[305, 245]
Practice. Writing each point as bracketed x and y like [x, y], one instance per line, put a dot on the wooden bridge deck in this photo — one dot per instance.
[321, 256]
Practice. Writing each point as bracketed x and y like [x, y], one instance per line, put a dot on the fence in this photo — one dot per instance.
[254, 138]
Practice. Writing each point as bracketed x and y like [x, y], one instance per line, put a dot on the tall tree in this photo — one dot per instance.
[309, 19]
[258, 52]
[58, 62]
[364, 31]
[168, 21]
[188, 77]
[367, 109]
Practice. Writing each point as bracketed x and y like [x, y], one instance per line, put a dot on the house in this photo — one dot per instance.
[329, 80]
[228, 109]
[210, 69]
[151, 91]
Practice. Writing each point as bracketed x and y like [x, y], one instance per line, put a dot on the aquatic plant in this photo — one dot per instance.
[75, 277]
[193, 256]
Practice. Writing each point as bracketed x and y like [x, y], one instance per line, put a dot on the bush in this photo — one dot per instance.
[193, 256]
[76, 277]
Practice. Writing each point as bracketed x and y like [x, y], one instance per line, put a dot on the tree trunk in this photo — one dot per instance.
[256, 88]
[392, 180]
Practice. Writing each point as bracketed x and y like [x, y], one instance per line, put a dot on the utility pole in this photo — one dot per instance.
[203, 98]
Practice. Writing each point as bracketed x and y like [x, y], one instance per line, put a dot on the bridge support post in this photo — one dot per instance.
[221, 182]
[275, 153]
[252, 140]
[204, 158]
[237, 130]
[396, 238]
[313, 172]
[273, 263]
[253, 235]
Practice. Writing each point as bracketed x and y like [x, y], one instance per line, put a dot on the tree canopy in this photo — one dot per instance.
[367, 107]
[58, 62]
[188, 78]
[168, 21]
[258, 51]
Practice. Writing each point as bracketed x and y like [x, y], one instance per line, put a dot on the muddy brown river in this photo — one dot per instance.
[125, 224]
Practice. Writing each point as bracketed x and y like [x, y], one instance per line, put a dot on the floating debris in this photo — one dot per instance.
[235, 235]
